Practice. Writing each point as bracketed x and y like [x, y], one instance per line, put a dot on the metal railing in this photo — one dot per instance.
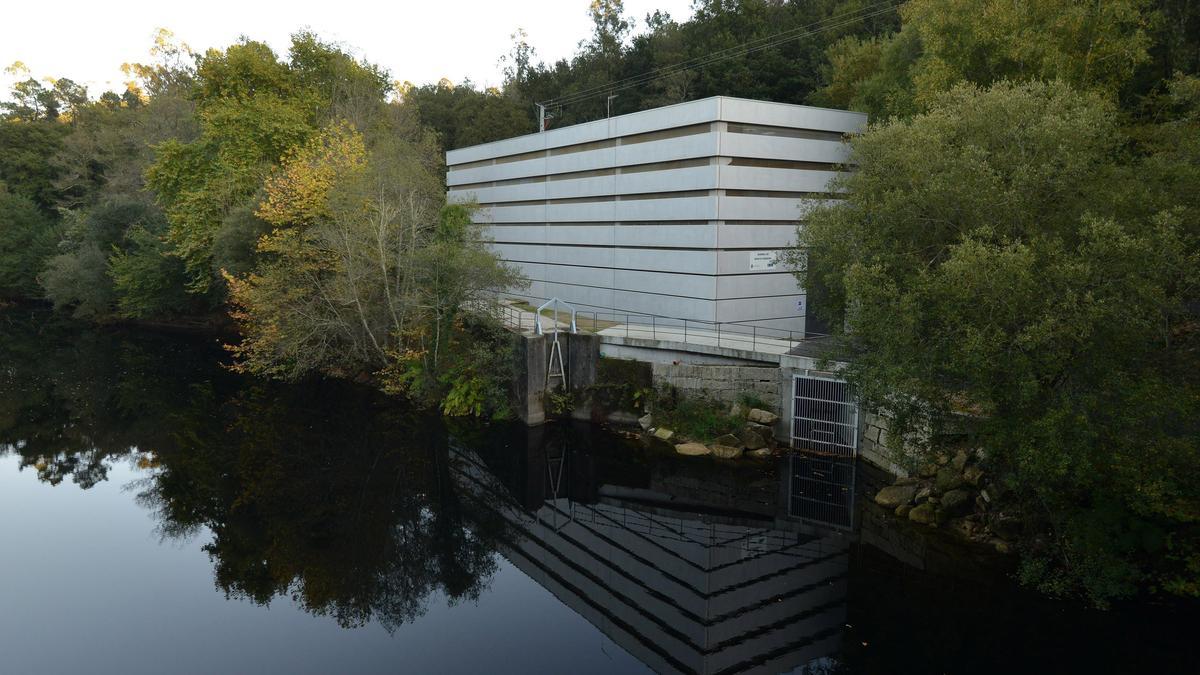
[744, 335]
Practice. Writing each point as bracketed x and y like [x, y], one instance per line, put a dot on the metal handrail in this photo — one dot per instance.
[724, 333]
[555, 302]
[736, 334]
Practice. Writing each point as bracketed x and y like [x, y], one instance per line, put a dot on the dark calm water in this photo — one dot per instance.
[159, 514]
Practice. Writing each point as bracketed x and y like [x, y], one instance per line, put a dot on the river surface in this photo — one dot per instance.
[160, 514]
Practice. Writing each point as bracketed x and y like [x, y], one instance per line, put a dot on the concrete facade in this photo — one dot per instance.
[674, 212]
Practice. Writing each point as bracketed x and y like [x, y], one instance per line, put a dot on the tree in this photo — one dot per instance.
[27, 238]
[1091, 46]
[26, 166]
[253, 108]
[365, 267]
[997, 259]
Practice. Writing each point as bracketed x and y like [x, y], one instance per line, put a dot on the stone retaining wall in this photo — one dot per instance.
[721, 382]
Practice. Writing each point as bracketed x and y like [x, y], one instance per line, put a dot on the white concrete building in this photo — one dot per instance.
[672, 212]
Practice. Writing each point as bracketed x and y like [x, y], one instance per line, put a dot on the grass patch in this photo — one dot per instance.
[699, 418]
[753, 401]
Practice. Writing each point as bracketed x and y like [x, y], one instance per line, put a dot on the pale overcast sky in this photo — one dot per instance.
[417, 41]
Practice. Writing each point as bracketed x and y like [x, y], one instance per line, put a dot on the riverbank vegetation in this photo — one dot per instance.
[295, 196]
[1019, 249]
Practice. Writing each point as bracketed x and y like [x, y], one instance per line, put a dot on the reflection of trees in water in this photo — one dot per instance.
[71, 402]
[324, 493]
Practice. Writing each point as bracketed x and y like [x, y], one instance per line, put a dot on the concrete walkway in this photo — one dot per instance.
[701, 337]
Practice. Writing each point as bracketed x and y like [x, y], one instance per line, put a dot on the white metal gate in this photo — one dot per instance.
[824, 416]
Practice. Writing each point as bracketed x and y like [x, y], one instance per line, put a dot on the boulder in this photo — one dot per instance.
[947, 479]
[923, 494]
[646, 421]
[960, 461]
[762, 416]
[729, 439]
[964, 527]
[752, 440]
[623, 418]
[907, 480]
[924, 514]
[902, 510]
[655, 443]
[693, 449]
[738, 410]
[894, 495]
[1005, 527]
[759, 453]
[1000, 545]
[762, 429]
[957, 502]
[973, 475]
[928, 470]
[664, 434]
[726, 451]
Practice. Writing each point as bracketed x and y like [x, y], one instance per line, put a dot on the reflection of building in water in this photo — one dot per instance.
[682, 589]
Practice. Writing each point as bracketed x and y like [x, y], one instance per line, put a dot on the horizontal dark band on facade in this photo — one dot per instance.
[786, 132]
[603, 144]
[660, 135]
[670, 295]
[641, 247]
[657, 271]
[647, 223]
[669, 165]
[677, 194]
[632, 312]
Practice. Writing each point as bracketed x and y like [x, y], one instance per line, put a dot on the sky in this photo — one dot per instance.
[421, 41]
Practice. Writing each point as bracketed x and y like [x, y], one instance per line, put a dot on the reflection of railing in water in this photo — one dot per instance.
[681, 591]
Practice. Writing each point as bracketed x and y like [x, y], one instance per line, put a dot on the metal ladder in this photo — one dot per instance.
[556, 346]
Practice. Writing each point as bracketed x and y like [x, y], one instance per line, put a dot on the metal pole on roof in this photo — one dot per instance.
[541, 117]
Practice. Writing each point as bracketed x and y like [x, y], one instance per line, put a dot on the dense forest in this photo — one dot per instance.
[1018, 252]
[1017, 259]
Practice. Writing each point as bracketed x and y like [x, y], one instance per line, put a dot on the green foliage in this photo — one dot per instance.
[79, 281]
[148, 282]
[560, 402]
[463, 115]
[748, 401]
[113, 262]
[696, 417]
[1123, 49]
[1003, 257]
[25, 151]
[253, 108]
[788, 72]
[27, 238]
[368, 270]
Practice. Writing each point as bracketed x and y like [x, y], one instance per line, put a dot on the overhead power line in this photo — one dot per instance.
[742, 49]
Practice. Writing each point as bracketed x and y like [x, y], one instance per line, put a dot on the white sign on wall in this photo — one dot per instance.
[763, 260]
